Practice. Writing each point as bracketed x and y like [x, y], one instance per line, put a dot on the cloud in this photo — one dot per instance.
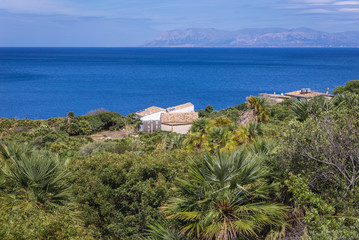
[346, 3]
[317, 11]
[349, 10]
[316, 2]
[35, 7]
[322, 6]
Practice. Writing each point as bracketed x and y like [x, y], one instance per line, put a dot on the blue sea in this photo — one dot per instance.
[41, 83]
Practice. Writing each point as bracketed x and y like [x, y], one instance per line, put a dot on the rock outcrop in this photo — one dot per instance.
[247, 117]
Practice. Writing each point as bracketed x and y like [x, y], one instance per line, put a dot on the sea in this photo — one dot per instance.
[40, 83]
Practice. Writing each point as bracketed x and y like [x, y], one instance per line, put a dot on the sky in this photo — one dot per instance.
[116, 23]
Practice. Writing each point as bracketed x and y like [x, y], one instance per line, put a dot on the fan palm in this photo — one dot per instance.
[224, 198]
[310, 107]
[41, 174]
[200, 125]
[254, 130]
[346, 99]
[263, 146]
[260, 106]
[177, 141]
[164, 230]
[218, 137]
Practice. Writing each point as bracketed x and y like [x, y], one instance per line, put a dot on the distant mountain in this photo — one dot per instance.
[255, 37]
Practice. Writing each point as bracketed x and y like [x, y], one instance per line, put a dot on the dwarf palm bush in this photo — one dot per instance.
[164, 230]
[311, 107]
[224, 197]
[40, 174]
[260, 106]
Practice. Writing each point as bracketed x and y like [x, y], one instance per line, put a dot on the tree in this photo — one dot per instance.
[205, 112]
[132, 119]
[328, 146]
[224, 198]
[350, 86]
[209, 109]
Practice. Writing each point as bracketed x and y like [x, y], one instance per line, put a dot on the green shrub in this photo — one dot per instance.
[79, 127]
[350, 86]
[101, 147]
[121, 194]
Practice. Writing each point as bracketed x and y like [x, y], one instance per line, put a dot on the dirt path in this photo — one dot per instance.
[104, 135]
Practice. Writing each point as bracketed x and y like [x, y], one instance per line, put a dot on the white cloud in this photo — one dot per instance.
[317, 11]
[348, 10]
[35, 7]
[316, 2]
[322, 6]
[346, 3]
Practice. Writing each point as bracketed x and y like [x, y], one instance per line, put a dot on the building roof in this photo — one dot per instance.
[310, 94]
[149, 111]
[273, 95]
[179, 118]
[170, 109]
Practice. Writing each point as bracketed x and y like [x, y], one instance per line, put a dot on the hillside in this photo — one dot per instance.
[255, 37]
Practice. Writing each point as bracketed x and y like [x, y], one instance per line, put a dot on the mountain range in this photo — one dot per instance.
[255, 37]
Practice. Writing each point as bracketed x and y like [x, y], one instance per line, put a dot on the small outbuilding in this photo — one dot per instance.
[178, 122]
[274, 98]
[177, 118]
[306, 93]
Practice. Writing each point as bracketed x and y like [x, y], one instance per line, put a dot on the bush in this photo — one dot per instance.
[121, 194]
[79, 127]
[104, 121]
[40, 224]
[69, 146]
[101, 147]
[350, 86]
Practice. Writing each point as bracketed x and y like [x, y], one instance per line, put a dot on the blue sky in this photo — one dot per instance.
[134, 22]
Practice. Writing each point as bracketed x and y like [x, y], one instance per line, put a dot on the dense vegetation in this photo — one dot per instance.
[290, 173]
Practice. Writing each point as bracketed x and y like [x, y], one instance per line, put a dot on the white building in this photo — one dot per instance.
[151, 118]
[178, 122]
[304, 93]
[183, 108]
[176, 119]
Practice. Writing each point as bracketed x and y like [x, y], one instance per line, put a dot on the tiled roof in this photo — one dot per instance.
[149, 111]
[301, 94]
[273, 95]
[170, 109]
[179, 118]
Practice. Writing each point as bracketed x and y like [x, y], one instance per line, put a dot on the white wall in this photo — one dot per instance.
[183, 129]
[165, 127]
[153, 117]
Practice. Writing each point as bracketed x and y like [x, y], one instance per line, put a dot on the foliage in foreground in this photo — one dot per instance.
[40, 174]
[224, 197]
[120, 194]
[35, 196]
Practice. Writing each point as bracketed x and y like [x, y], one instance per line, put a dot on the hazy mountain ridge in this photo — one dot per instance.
[255, 37]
